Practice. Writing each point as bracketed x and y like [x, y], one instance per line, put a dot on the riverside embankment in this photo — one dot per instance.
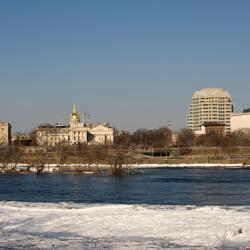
[96, 159]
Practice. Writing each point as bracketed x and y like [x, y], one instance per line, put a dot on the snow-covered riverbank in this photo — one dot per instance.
[52, 168]
[79, 226]
[195, 165]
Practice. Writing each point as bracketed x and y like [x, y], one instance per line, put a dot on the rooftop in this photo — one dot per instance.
[215, 92]
[241, 114]
[208, 124]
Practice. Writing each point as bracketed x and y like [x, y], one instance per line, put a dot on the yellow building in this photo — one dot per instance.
[74, 133]
[5, 133]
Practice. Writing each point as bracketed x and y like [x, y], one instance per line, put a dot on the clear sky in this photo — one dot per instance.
[133, 63]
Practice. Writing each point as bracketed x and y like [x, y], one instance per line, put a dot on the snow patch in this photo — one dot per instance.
[78, 226]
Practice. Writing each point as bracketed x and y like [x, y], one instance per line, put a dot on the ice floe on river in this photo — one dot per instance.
[98, 226]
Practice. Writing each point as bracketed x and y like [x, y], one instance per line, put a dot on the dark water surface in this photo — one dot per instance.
[154, 186]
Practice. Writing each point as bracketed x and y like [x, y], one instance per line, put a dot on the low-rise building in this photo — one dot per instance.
[21, 139]
[201, 131]
[5, 133]
[240, 121]
[211, 128]
[214, 128]
[74, 133]
[51, 135]
[101, 134]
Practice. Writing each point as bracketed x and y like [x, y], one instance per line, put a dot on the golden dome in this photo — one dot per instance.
[74, 116]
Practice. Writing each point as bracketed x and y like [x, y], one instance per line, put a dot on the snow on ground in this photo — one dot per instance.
[51, 168]
[193, 165]
[83, 226]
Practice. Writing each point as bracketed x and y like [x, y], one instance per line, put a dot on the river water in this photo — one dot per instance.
[152, 186]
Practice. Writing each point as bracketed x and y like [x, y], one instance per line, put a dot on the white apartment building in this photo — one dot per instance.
[210, 105]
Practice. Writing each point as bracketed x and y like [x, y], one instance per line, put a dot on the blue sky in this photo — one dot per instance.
[133, 63]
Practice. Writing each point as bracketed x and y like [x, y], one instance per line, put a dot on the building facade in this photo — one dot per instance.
[210, 105]
[21, 139]
[240, 121]
[75, 132]
[214, 128]
[5, 133]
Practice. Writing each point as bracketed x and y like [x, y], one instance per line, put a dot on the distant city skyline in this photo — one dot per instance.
[134, 63]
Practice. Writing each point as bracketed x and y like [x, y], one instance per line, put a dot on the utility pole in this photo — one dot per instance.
[166, 140]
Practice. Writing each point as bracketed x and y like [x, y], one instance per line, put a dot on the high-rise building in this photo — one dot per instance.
[5, 133]
[210, 105]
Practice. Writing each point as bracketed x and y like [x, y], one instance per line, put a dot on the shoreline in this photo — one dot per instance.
[94, 168]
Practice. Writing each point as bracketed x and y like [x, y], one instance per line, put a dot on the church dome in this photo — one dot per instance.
[75, 118]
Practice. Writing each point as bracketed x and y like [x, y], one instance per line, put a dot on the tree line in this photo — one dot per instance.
[87, 157]
[145, 138]
[187, 138]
